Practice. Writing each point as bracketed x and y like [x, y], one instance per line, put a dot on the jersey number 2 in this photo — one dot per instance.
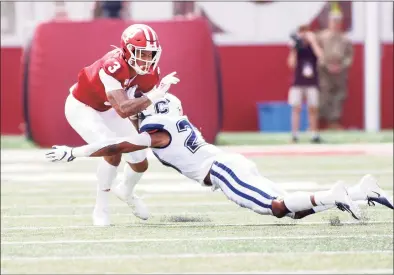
[192, 142]
[114, 68]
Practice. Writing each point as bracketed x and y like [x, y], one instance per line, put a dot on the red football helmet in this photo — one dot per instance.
[135, 40]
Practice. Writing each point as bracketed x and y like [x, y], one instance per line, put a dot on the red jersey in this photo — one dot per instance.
[91, 91]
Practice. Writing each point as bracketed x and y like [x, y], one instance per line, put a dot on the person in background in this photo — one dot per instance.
[333, 71]
[303, 57]
[60, 11]
[111, 9]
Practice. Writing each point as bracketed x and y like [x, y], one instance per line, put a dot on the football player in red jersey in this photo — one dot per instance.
[104, 103]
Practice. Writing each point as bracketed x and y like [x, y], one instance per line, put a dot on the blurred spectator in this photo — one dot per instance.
[333, 71]
[111, 9]
[60, 11]
[191, 10]
[321, 21]
[303, 58]
[188, 9]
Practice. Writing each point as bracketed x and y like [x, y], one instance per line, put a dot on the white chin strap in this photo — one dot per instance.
[133, 64]
[148, 64]
[137, 68]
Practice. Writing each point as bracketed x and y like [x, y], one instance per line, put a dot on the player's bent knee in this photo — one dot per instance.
[140, 167]
[114, 160]
[279, 209]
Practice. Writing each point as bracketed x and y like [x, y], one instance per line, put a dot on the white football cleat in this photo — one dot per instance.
[101, 217]
[140, 210]
[343, 201]
[373, 193]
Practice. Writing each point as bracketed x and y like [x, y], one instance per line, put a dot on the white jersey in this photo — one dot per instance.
[187, 152]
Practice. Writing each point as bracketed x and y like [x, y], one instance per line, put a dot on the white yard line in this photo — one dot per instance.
[155, 190]
[188, 256]
[167, 213]
[69, 168]
[50, 216]
[163, 190]
[236, 238]
[163, 187]
[324, 271]
[185, 191]
[12, 168]
[122, 205]
[291, 223]
[83, 177]
[74, 206]
[309, 147]
[369, 148]
[38, 156]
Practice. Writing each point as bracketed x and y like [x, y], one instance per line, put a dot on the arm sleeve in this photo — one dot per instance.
[142, 139]
[110, 83]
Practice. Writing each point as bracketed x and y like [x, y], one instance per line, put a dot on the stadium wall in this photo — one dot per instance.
[54, 65]
[265, 79]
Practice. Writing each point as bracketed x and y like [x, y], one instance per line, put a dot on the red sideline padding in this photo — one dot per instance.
[60, 49]
[11, 96]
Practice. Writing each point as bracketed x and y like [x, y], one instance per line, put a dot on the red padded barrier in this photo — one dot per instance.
[11, 95]
[60, 49]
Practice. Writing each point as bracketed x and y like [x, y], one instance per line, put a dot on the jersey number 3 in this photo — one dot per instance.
[193, 142]
[114, 68]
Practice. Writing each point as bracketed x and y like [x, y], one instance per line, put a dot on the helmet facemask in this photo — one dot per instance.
[142, 66]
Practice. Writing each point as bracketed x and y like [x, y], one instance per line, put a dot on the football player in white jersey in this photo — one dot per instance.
[178, 144]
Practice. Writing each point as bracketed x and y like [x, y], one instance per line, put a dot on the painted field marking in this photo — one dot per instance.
[73, 206]
[90, 177]
[187, 256]
[173, 225]
[167, 213]
[122, 205]
[236, 238]
[321, 271]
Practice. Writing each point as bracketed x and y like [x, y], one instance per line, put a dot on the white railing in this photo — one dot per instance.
[18, 19]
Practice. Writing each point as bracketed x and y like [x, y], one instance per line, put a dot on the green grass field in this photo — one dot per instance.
[330, 137]
[46, 221]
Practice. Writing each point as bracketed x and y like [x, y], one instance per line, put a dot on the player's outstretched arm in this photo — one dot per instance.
[108, 147]
[102, 148]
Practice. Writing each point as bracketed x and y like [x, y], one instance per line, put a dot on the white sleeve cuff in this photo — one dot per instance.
[110, 83]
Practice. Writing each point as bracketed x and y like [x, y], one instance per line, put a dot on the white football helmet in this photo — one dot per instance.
[167, 105]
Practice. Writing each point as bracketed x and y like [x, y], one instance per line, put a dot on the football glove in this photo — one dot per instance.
[60, 153]
[163, 87]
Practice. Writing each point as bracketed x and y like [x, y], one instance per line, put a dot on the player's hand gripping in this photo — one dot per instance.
[163, 87]
[60, 153]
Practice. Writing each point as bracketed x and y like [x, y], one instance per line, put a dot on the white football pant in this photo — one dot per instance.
[241, 182]
[95, 126]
